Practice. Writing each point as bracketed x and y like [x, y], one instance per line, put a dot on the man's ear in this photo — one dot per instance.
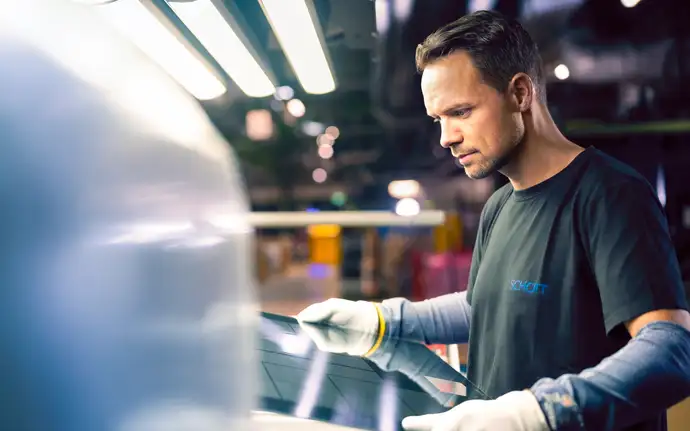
[522, 91]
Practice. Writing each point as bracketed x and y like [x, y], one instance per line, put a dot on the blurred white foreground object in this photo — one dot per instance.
[126, 269]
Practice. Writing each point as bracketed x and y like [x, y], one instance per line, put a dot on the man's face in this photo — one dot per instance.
[481, 126]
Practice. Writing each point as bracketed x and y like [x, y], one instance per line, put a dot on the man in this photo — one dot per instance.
[574, 290]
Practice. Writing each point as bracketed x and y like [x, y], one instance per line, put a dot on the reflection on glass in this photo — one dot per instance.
[303, 374]
[414, 360]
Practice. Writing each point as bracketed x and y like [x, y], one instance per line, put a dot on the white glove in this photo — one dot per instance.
[514, 411]
[350, 327]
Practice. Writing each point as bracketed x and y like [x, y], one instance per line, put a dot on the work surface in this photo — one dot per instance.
[299, 380]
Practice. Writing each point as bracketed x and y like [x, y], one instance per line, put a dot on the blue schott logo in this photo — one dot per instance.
[528, 287]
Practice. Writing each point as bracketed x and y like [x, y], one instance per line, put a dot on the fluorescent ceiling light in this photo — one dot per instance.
[218, 37]
[296, 32]
[134, 20]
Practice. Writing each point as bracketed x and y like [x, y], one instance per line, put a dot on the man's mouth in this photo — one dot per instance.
[463, 158]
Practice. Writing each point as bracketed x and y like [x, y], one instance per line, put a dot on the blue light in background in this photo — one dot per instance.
[318, 270]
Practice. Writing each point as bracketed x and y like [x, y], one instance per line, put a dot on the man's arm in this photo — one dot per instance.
[442, 320]
[637, 272]
[650, 374]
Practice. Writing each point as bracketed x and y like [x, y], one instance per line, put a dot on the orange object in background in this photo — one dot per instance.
[325, 244]
[448, 236]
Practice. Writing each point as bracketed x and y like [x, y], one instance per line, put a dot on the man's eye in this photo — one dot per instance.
[461, 113]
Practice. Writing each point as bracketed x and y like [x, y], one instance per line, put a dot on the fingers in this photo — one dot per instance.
[331, 340]
[421, 423]
[316, 313]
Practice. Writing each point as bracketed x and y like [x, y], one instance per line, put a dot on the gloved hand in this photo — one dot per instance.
[514, 411]
[344, 326]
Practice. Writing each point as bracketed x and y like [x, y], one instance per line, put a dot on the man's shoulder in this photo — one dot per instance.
[611, 187]
[604, 174]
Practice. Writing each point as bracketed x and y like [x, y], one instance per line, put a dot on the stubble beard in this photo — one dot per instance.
[491, 166]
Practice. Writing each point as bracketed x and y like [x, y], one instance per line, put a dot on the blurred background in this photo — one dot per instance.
[320, 100]
[339, 125]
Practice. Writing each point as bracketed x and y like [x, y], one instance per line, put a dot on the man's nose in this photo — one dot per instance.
[449, 136]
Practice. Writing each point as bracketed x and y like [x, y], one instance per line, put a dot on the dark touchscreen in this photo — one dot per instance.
[401, 379]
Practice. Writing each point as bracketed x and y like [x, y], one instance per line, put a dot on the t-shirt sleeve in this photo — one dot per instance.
[631, 253]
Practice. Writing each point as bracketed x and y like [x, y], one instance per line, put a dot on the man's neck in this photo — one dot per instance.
[543, 153]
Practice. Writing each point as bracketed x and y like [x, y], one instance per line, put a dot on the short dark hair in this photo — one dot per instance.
[499, 48]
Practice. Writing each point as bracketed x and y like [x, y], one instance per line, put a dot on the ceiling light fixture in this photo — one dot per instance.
[138, 22]
[219, 34]
[296, 29]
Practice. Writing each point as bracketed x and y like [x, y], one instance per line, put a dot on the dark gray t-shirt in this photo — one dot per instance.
[559, 267]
